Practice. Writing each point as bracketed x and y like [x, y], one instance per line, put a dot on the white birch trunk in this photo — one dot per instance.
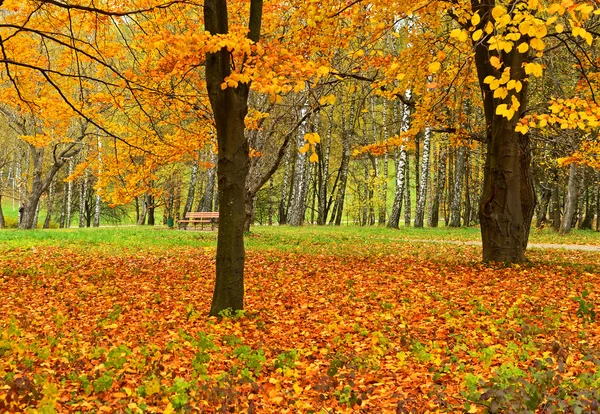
[422, 196]
[69, 195]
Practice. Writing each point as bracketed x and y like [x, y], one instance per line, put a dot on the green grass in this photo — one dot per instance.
[308, 239]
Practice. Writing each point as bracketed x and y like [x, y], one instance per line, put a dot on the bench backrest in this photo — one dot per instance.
[202, 214]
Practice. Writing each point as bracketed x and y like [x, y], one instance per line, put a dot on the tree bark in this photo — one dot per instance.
[206, 203]
[439, 189]
[400, 160]
[40, 183]
[283, 204]
[2, 222]
[544, 203]
[83, 190]
[229, 107]
[422, 196]
[508, 197]
[69, 195]
[570, 199]
[192, 187]
[51, 192]
[457, 189]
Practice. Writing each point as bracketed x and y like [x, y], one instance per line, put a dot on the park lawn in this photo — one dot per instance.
[336, 320]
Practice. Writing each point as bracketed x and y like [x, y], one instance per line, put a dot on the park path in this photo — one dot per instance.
[579, 247]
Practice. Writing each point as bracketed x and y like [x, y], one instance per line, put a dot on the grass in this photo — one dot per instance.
[310, 239]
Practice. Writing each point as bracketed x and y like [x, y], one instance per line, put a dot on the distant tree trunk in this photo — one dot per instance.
[467, 192]
[344, 167]
[63, 210]
[191, 188]
[141, 201]
[209, 191]
[439, 188]
[422, 196]
[97, 210]
[69, 195]
[555, 205]
[323, 174]
[457, 189]
[544, 203]
[50, 207]
[271, 201]
[588, 217]
[570, 200]
[151, 209]
[285, 184]
[98, 200]
[384, 173]
[40, 184]
[83, 190]
[598, 207]
[407, 202]
[2, 222]
[301, 176]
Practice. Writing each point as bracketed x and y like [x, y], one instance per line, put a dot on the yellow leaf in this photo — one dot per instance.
[475, 19]
[537, 44]
[489, 27]
[498, 12]
[314, 157]
[477, 35]
[495, 62]
[500, 93]
[501, 109]
[522, 129]
[304, 148]
[541, 31]
[434, 67]
[489, 79]
[523, 47]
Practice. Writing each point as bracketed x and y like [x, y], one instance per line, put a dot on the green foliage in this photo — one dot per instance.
[586, 308]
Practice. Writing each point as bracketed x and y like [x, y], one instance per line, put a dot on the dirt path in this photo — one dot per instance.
[580, 247]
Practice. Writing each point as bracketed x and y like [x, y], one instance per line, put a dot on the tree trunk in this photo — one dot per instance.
[457, 189]
[467, 192]
[271, 201]
[151, 209]
[2, 223]
[323, 173]
[50, 207]
[69, 195]
[39, 185]
[83, 190]
[400, 160]
[508, 197]
[192, 187]
[439, 189]
[407, 202]
[348, 125]
[143, 210]
[544, 203]
[555, 206]
[209, 191]
[570, 200]
[283, 203]
[422, 196]
[301, 176]
[229, 107]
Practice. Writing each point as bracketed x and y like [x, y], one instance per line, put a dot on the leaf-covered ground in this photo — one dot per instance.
[402, 328]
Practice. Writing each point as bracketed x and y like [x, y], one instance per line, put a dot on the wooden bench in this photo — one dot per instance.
[199, 217]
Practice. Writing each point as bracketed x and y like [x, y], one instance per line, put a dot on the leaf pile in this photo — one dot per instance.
[390, 332]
